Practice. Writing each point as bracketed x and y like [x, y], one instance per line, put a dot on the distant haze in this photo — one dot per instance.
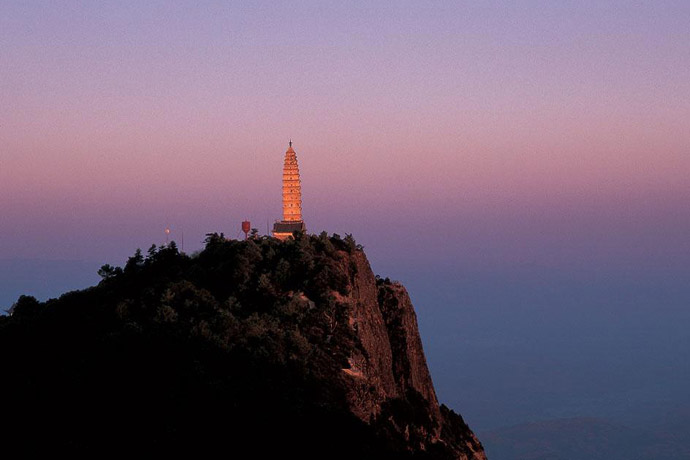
[523, 168]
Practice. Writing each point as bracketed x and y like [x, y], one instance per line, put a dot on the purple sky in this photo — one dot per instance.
[546, 133]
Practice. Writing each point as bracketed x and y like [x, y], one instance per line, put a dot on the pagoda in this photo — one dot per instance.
[292, 199]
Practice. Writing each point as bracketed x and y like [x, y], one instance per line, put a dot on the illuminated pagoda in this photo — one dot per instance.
[292, 199]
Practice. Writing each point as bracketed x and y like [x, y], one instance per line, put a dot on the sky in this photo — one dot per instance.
[483, 142]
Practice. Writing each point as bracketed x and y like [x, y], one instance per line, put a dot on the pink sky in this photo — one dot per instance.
[550, 135]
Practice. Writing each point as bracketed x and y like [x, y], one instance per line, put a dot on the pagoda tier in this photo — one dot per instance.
[292, 188]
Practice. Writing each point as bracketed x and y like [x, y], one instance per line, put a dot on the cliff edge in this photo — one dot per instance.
[389, 367]
[261, 347]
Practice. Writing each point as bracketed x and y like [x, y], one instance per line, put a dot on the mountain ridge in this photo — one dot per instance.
[293, 345]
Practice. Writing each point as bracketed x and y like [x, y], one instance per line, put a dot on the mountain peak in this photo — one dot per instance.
[262, 345]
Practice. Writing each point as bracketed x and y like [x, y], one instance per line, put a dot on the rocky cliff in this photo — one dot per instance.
[262, 346]
[390, 366]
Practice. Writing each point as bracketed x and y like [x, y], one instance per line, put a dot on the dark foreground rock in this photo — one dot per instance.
[252, 349]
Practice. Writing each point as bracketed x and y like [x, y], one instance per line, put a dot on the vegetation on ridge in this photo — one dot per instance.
[239, 347]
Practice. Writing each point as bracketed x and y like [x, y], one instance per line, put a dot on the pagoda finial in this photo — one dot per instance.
[290, 143]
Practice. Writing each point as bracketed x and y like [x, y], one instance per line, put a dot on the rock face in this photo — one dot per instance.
[265, 346]
[390, 369]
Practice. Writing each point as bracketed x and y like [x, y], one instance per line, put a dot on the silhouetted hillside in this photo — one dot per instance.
[262, 347]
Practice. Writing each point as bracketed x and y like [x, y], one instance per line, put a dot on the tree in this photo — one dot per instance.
[135, 262]
[152, 253]
[350, 243]
[213, 239]
[107, 271]
[26, 305]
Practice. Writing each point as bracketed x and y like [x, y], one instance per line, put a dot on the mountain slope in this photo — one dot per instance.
[255, 346]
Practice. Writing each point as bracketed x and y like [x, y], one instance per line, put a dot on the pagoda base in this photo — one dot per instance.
[284, 229]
